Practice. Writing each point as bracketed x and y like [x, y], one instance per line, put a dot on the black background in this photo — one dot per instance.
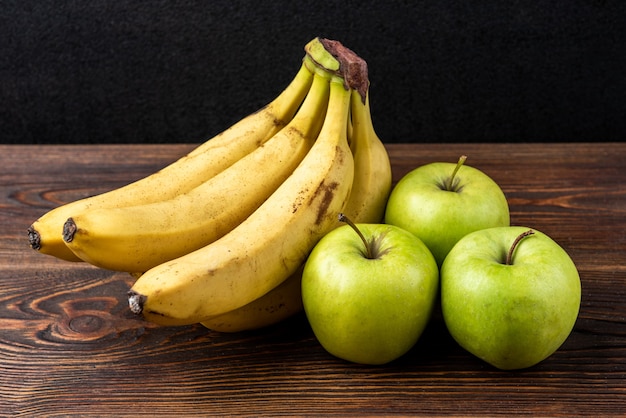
[441, 71]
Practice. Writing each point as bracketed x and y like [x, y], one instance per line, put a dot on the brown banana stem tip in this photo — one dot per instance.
[34, 239]
[352, 68]
[136, 302]
[69, 229]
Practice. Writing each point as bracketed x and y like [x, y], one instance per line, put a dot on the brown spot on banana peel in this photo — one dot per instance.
[276, 120]
[299, 200]
[328, 193]
[297, 131]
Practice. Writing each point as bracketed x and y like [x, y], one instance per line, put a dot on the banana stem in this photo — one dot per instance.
[352, 68]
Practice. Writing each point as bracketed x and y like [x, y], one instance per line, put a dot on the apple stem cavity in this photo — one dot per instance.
[518, 239]
[368, 250]
[450, 184]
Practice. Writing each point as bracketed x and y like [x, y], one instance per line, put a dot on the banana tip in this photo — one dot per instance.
[136, 302]
[69, 229]
[34, 239]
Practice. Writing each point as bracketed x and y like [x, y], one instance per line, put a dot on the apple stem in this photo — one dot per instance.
[459, 163]
[344, 218]
[509, 256]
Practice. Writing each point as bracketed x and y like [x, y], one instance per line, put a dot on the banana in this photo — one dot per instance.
[372, 168]
[208, 159]
[266, 248]
[137, 238]
[370, 189]
[278, 304]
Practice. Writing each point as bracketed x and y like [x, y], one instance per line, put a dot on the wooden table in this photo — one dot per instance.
[70, 346]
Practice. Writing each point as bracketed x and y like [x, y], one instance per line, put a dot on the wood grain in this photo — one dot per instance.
[70, 347]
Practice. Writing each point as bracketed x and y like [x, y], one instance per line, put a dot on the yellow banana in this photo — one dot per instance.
[370, 189]
[268, 246]
[208, 159]
[137, 238]
[280, 303]
[372, 169]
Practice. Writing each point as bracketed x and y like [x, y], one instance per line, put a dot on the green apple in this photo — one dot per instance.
[442, 202]
[369, 294]
[509, 295]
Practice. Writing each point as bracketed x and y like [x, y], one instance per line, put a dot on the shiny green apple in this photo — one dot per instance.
[442, 202]
[509, 295]
[368, 292]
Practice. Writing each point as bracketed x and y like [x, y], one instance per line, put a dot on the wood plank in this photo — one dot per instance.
[70, 346]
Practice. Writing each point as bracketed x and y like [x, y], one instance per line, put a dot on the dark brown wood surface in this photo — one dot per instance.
[70, 346]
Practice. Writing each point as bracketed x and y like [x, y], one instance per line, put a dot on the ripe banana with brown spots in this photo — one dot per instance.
[370, 189]
[186, 173]
[266, 248]
[137, 238]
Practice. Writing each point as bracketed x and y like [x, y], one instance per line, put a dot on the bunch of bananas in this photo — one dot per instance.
[219, 237]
